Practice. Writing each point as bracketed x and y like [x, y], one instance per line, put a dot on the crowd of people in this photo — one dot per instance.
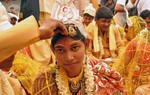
[75, 47]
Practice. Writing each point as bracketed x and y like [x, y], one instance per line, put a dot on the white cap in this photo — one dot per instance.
[90, 10]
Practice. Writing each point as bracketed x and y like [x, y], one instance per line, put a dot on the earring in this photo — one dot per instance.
[57, 65]
[85, 58]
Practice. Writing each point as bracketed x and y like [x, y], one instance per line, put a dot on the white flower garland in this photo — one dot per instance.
[89, 81]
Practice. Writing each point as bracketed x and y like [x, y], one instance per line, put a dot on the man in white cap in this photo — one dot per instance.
[88, 15]
[89, 23]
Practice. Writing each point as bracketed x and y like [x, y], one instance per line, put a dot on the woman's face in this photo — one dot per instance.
[70, 54]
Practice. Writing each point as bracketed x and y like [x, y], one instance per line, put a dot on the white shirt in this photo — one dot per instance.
[143, 5]
[121, 2]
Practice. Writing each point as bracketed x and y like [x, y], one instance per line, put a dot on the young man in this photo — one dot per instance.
[88, 15]
[107, 41]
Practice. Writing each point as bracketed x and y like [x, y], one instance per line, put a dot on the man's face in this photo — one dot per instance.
[103, 24]
[87, 20]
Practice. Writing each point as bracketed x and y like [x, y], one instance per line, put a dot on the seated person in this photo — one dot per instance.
[107, 40]
[88, 15]
[134, 62]
[73, 73]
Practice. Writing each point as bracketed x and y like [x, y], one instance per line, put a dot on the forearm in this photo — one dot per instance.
[119, 8]
[17, 37]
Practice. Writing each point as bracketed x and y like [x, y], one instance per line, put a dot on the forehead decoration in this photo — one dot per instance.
[77, 26]
[71, 31]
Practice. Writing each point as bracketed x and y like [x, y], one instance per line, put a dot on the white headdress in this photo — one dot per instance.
[67, 13]
[90, 10]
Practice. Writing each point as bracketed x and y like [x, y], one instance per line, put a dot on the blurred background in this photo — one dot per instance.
[13, 6]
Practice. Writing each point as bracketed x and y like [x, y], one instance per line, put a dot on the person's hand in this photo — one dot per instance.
[50, 27]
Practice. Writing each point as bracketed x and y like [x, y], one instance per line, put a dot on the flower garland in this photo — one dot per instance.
[63, 84]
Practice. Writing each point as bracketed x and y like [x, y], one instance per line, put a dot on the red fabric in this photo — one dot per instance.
[107, 80]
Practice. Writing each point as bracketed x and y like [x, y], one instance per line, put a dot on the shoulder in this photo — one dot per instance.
[45, 75]
[47, 72]
[44, 81]
[114, 28]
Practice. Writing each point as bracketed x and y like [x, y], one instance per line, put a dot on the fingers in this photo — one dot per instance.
[58, 30]
[62, 27]
[52, 27]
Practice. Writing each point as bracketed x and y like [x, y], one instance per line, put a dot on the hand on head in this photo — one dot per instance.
[50, 27]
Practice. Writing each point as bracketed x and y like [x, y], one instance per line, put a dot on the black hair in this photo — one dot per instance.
[13, 18]
[103, 12]
[59, 36]
[86, 14]
[144, 14]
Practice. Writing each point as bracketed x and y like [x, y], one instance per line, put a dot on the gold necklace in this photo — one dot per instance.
[87, 84]
[75, 83]
[76, 79]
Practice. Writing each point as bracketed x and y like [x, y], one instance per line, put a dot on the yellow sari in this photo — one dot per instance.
[134, 63]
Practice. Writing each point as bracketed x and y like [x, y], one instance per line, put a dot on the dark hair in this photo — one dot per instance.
[59, 36]
[13, 18]
[104, 12]
[144, 14]
[12, 8]
[86, 14]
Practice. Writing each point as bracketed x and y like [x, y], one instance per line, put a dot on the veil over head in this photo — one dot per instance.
[134, 62]
[138, 25]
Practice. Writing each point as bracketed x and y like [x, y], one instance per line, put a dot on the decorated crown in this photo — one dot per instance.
[67, 13]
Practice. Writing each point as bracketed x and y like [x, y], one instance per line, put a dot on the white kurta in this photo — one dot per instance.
[46, 5]
[143, 5]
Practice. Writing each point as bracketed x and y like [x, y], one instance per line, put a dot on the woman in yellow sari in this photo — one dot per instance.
[138, 25]
[134, 63]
